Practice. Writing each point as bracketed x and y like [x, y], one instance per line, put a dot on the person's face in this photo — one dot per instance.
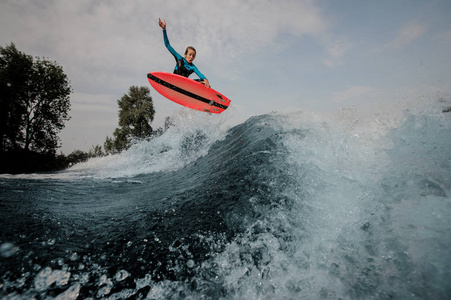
[190, 55]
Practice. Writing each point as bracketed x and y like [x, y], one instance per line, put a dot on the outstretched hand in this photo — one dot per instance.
[162, 24]
[206, 83]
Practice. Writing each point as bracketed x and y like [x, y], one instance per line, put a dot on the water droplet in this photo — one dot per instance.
[103, 279]
[190, 263]
[121, 275]
[74, 256]
[8, 249]
[103, 291]
[42, 281]
[70, 293]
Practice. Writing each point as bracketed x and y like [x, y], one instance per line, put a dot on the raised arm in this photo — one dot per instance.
[166, 40]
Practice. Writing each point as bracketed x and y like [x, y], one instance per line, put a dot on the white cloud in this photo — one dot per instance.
[408, 34]
[234, 28]
[120, 38]
[336, 52]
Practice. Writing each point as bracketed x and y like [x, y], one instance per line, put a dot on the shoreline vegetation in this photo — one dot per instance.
[23, 162]
[34, 106]
[31, 162]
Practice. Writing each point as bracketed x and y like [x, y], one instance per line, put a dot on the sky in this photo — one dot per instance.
[265, 55]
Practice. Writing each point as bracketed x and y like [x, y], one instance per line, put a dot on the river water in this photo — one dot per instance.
[297, 205]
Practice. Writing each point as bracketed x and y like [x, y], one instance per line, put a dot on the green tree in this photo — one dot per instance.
[13, 83]
[136, 113]
[34, 102]
[77, 156]
[96, 151]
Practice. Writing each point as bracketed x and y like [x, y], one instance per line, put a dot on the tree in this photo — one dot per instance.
[13, 82]
[34, 102]
[77, 156]
[136, 113]
[96, 151]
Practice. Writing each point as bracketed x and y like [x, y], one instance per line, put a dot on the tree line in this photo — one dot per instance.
[34, 106]
[136, 113]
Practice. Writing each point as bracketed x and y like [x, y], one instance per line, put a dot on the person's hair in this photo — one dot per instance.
[190, 48]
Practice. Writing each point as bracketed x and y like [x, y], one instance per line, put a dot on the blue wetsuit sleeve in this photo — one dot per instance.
[196, 70]
[168, 45]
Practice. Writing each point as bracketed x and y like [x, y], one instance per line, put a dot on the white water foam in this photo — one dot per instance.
[347, 235]
[188, 138]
